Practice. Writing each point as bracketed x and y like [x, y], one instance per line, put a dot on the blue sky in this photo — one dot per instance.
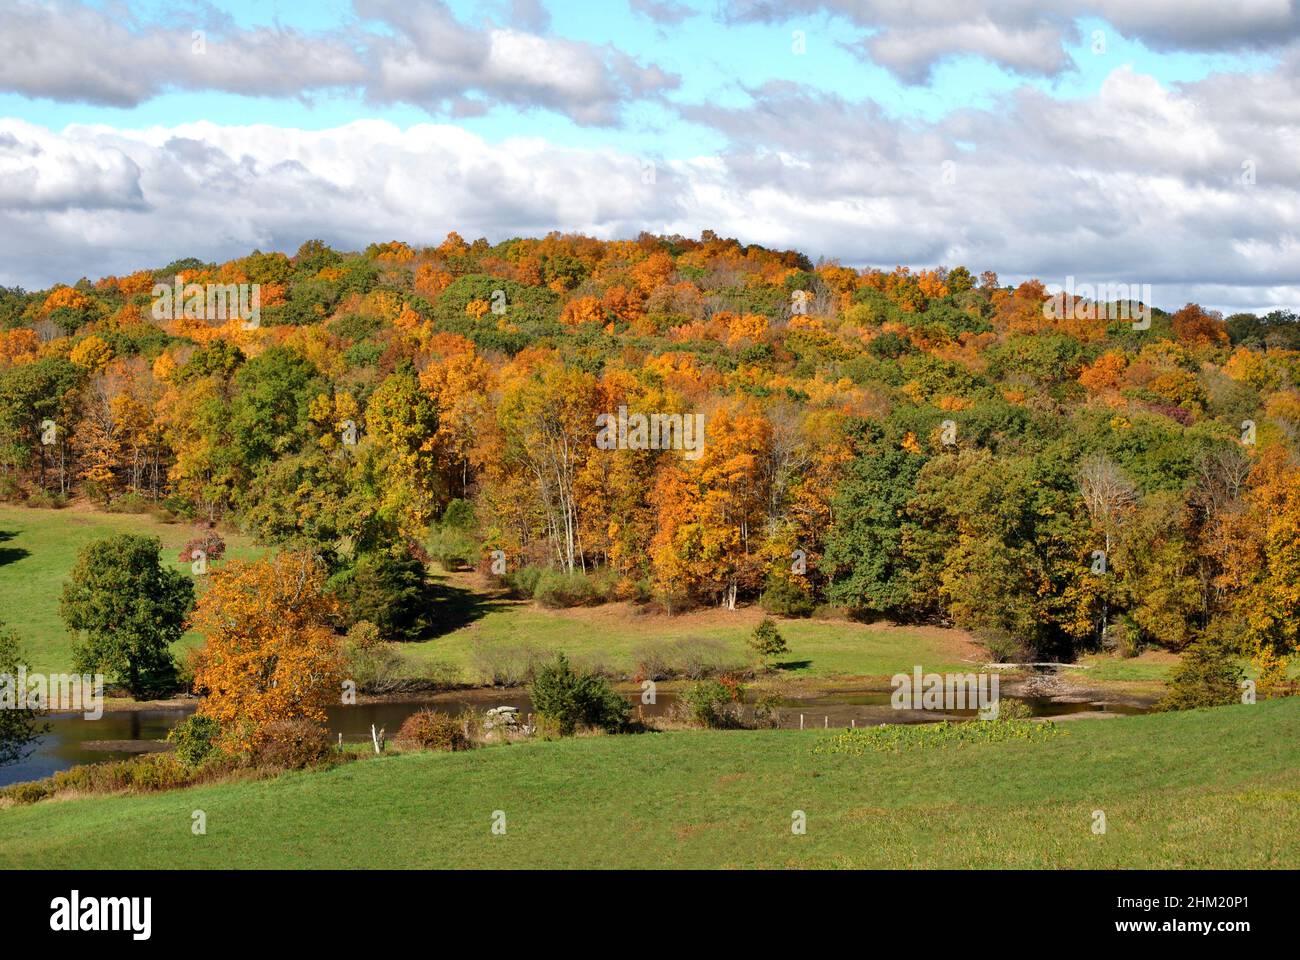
[1123, 164]
[717, 62]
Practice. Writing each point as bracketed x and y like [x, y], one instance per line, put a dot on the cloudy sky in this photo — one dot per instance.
[1142, 141]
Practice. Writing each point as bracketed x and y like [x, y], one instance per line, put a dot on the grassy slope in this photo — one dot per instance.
[38, 549]
[1216, 788]
[611, 636]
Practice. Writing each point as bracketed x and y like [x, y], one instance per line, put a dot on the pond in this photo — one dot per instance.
[74, 740]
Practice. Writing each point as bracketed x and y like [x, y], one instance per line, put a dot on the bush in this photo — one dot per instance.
[46, 499]
[128, 503]
[557, 590]
[784, 598]
[434, 730]
[504, 664]
[1206, 676]
[1002, 646]
[390, 589]
[522, 582]
[453, 548]
[195, 738]
[713, 703]
[293, 744]
[571, 699]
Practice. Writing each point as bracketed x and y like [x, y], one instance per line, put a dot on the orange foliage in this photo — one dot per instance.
[270, 653]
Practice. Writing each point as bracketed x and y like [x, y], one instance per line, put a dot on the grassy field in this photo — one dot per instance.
[38, 549]
[494, 630]
[1209, 788]
[481, 632]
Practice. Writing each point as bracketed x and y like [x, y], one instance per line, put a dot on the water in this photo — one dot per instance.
[73, 740]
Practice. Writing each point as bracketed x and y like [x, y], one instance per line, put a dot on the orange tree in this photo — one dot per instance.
[270, 653]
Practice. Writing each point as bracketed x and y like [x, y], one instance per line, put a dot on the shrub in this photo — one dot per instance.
[504, 664]
[1002, 646]
[556, 590]
[453, 548]
[46, 500]
[128, 503]
[1013, 709]
[712, 703]
[293, 744]
[700, 657]
[434, 730]
[767, 641]
[389, 588]
[1206, 676]
[522, 582]
[207, 543]
[195, 738]
[784, 598]
[571, 699]
[652, 662]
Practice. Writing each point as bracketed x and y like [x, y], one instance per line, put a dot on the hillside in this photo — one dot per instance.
[686, 424]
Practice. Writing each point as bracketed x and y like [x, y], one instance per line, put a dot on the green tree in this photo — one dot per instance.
[19, 725]
[766, 640]
[864, 550]
[129, 609]
[389, 588]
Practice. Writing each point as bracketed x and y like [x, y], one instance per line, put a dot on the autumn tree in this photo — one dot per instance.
[270, 653]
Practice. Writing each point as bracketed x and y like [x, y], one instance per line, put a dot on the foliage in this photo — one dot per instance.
[434, 730]
[129, 610]
[713, 703]
[572, 699]
[766, 640]
[1207, 675]
[898, 737]
[19, 725]
[270, 655]
[195, 738]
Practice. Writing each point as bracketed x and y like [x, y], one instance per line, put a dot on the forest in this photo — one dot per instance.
[925, 446]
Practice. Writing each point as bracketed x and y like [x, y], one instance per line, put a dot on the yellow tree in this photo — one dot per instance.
[270, 653]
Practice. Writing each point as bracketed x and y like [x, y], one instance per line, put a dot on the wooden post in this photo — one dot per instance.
[377, 739]
[854, 723]
[340, 740]
[826, 724]
[801, 721]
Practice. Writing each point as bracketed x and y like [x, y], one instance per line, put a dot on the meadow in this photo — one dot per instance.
[38, 549]
[1211, 788]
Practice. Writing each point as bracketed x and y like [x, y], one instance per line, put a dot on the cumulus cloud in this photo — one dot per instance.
[1029, 37]
[1191, 187]
[397, 52]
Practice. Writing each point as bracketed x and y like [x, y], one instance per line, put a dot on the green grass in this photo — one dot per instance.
[612, 638]
[816, 648]
[38, 549]
[1209, 788]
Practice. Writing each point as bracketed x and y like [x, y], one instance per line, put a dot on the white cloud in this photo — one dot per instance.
[416, 53]
[1142, 183]
[1030, 36]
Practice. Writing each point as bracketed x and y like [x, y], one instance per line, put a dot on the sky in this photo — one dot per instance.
[1108, 141]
